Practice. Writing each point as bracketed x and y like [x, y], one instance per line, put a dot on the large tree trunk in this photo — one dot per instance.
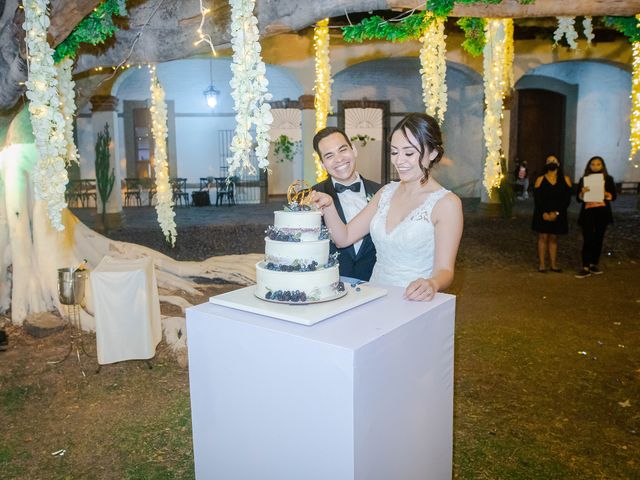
[32, 251]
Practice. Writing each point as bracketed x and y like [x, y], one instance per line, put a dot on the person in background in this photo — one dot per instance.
[350, 193]
[594, 217]
[552, 195]
[522, 180]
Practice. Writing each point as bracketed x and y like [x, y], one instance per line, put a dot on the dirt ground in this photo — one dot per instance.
[547, 377]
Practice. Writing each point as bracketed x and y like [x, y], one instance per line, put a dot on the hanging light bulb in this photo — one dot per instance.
[211, 93]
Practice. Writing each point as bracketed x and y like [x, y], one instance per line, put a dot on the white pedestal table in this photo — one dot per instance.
[366, 394]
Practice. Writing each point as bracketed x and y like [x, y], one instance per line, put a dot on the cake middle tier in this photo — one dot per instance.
[301, 253]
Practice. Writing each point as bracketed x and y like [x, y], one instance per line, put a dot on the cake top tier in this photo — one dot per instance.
[311, 219]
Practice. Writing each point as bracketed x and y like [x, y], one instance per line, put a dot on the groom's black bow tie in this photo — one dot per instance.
[354, 187]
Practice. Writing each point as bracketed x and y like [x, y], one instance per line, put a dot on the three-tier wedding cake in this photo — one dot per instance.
[297, 267]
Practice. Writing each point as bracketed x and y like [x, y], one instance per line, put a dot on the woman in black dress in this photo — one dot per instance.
[552, 194]
[594, 217]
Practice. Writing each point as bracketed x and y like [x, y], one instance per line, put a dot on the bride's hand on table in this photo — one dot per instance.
[422, 290]
[321, 200]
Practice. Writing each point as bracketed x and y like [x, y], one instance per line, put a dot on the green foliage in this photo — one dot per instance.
[284, 148]
[93, 29]
[377, 28]
[105, 178]
[474, 38]
[628, 26]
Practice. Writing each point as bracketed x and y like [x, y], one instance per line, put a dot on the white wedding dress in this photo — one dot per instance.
[407, 252]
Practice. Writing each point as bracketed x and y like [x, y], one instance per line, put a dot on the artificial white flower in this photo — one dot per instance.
[588, 29]
[497, 63]
[248, 90]
[434, 69]
[322, 85]
[164, 193]
[566, 29]
[67, 97]
[49, 176]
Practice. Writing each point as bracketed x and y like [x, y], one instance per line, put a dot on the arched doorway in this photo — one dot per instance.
[541, 128]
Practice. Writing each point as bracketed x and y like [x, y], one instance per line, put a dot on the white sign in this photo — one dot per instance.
[595, 184]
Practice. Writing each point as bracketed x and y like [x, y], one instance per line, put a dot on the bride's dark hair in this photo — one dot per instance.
[426, 131]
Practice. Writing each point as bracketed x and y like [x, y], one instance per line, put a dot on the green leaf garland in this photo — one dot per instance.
[628, 26]
[378, 28]
[93, 29]
[474, 37]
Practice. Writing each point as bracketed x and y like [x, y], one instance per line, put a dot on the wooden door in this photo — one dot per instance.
[541, 128]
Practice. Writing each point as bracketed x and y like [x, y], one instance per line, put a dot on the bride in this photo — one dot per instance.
[415, 223]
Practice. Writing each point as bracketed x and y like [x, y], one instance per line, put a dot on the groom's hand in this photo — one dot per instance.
[422, 289]
[321, 200]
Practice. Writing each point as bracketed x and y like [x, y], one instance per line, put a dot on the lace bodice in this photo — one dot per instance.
[407, 252]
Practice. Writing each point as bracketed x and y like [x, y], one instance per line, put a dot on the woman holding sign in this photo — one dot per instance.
[596, 191]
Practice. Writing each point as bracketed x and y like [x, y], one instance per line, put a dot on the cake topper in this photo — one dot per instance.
[299, 192]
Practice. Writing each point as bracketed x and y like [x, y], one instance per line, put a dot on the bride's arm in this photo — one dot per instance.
[341, 234]
[447, 220]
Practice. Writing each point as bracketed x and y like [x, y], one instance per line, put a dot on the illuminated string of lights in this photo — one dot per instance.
[567, 30]
[322, 86]
[164, 207]
[49, 175]
[204, 37]
[634, 137]
[587, 25]
[497, 62]
[433, 69]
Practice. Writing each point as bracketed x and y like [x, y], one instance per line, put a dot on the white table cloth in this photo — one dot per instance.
[127, 309]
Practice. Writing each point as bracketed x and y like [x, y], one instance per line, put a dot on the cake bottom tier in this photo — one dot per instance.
[297, 287]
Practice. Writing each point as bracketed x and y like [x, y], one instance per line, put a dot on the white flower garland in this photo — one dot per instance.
[497, 64]
[322, 85]
[249, 91]
[434, 69]
[566, 29]
[67, 95]
[164, 207]
[634, 137]
[588, 29]
[50, 176]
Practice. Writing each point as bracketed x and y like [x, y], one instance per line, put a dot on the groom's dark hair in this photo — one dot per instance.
[324, 133]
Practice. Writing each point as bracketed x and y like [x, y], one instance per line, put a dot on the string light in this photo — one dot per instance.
[434, 69]
[322, 86]
[498, 65]
[204, 37]
[634, 137]
[164, 207]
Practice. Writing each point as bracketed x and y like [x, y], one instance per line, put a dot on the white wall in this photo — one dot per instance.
[603, 111]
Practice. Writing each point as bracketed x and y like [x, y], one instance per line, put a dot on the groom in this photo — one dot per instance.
[350, 193]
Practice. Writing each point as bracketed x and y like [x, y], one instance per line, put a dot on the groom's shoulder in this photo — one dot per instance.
[371, 186]
[321, 186]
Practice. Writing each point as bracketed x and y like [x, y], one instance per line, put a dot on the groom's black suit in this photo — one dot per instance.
[352, 265]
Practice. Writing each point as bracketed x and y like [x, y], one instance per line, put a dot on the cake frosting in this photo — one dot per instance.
[297, 267]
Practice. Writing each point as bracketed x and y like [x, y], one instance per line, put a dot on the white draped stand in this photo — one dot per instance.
[366, 394]
[127, 309]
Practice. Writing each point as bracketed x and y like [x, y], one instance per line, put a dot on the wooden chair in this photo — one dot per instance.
[73, 193]
[179, 189]
[132, 191]
[89, 191]
[224, 189]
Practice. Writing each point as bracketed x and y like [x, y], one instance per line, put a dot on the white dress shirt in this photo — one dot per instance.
[352, 203]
